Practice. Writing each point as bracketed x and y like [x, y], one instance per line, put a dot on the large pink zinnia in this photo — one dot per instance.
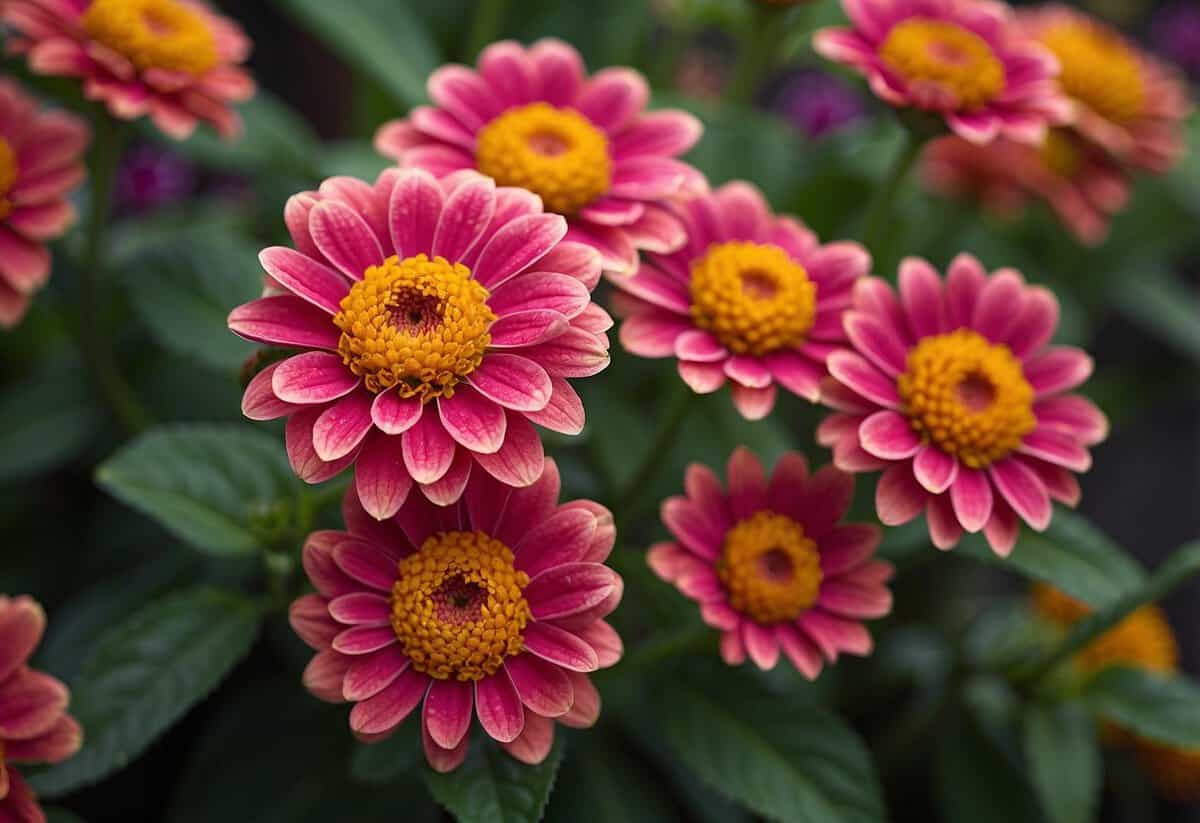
[952, 390]
[962, 59]
[493, 606]
[174, 60]
[769, 564]
[440, 318]
[41, 163]
[751, 297]
[34, 724]
[533, 118]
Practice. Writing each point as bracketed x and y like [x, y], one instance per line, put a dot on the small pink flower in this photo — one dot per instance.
[174, 60]
[769, 564]
[493, 606]
[962, 59]
[751, 297]
[439, 320]
[952, 389]
[34, 724]
[533, 118]
[41, 163]
[1124, 98]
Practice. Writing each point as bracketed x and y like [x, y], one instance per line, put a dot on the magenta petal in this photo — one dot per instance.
[361, 608]
[560, 647]
[857, 602]
[521, 459]
[527, 328]
[513, 381]
[876, 341]
[702, 378]
[788, 481]
[260, 403]
[564, 413]
[394, 414]
[753, 404]
[447, 490]
[1071, 413]
[1023, 490]
[748, 371]
[302, 456]
[889, 436]
[366, 563]
[364, 639]
[543, 687]
[1036, 323]
[999, 302]
[700, 346]
[465, 217]
[565, 590]
[733, 652]
[971, 496]
[796, 373]
[747, 483]
[719, 615]
[345, 238]
[30, 703]
[898, 497]
[761, 645]
[517, 245]
[284, 320]
[473, 420]
[604, 639]
[575, 353]
[498, 707]
[323, 675]
[389, 707]
[534, 743]
[341, 427]
[1002, 529]
[309, 618]
[800, 650]
[965, 279]
[428, 449]
[846, 547]
[446, 712]
[564, 537]
[380, 477]
[944, 529]
[414, 211]
[856, 374]
[1056, 447]
[824, 499]
[540, 290]
[442, 760]
[313, 377]
[305, 277]
[934, 469]
[370, 674]
[921, 296]
[613, 97]
[1057, 369]
[692, 527]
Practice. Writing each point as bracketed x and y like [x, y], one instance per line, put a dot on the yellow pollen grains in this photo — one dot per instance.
[1143, 640]
[753, 297]
[154, 34]
[947, 55]
[8, 176]
[418, 324]
[967, 396]
[770, 569]
[1098, 70]
[555, 153]
[457, 606]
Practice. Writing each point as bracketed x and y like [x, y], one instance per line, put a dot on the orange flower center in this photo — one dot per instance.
[458, 606]
[968, 396]
[944, 54]
[1098, 69]
[154, 34]
[753, 297]
[1060, 154]
[418, 324]
[770, 568]
[8, 176]
[555, 153]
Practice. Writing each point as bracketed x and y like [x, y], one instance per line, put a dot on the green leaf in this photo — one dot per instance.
[184, 287]
[1153, 705]
[978, 778]
[217, 487]
[57, 815]
[1163, 307]
[45, 420]
[383, 38]
[383, 762]
[783, 759]
[275, 138]
[1072, 555]
[606, 782]
[355, 158]
[1064, 761]
[491, 787]
[145, 673]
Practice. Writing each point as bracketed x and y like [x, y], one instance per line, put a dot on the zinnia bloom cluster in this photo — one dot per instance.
[770, 564]
[41, 163]
[964, 60]
[950, 387]
[439, 320]
[751, 297]
[34, 724]
[177, 61]
[533, 118]
[491, 608]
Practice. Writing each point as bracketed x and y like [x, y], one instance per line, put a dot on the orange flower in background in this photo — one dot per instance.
[174, 60]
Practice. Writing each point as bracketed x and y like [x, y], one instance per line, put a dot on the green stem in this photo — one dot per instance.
[879, 213]
[94, 342]
[485, 26]
[671, 421]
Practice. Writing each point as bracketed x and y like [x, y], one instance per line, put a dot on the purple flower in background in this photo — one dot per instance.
[818, 103]
[151, 176]
[1175, 33]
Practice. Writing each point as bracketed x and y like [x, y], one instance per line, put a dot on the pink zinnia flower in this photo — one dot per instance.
[769, 564]
[492, 606]
[175, 60]
[1124, 98]
[751, 297]
[532, 118]
[440, 320]
[34, 724]
[962, 59]
[41, 163]
[952, 389]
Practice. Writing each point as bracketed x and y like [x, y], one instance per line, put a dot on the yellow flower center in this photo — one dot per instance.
[8, 176]
[945, 54]
[967, 396]
[458, 607]
[753, 297]
[1098, 70]
[154, 34]
[1060, 154]
[1142, 640]
[418, 324]
[555, 153]
[770, 569]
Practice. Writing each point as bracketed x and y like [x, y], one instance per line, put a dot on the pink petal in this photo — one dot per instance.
[260, 403]
[1023, 490]
[521, 459]
[604, 639]
[576, 260]
[370, 674]
[345, 238]
[700, 346]
[658, 289]
[971, 496]
[565, 590]
[302, 456]
[1002, 529]
[585, 710]
[857, 602]
[732, 650]
[1035, 324]
[898, 497]
[669, 133]
[824, 499]
[544, 688]
[889, 436]
[564, 537]
[693, 527]
[309, 618]
[342, 426]
[540, 290]
[559, 70]
[498, 707]
[796, 373]
[30, 703]
[856, 374]
[394, 414]
[921, 296]
[428, 449]
[361, 608]
[934, 469]
[305, 277]
[380, 478]
[965, 279]
[1057, 369]
[575, 353]
[527, 328]
[1075, 415]
[414, 211]
[877, 342]
[364, 639]
[719, 615]
[564, 413]
[944, 529]
[447, 490]
[22, 623]
[846, 547]
[446, 713]
[613, 97]
[748, 371]
[996, 312]
[313, 377]
[386, 710]
[517, 245]
[753, 404]
[323, 675]
[284, 320]
[465, 216]
[473, 420]
[747, 483]
[54, 745]
[761, 645]
[800, 650]
[366, 563]
[560, 647]
[788, 481]
[443, 760]
[702, 378]
[1056, 447]
[535, 741]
